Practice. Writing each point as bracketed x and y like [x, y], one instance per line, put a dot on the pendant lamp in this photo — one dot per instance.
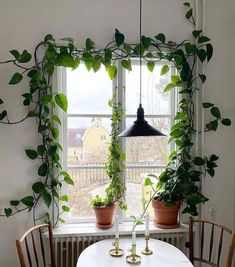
[140, 127]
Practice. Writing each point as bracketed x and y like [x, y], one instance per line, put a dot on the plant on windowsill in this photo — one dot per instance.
[114, 166]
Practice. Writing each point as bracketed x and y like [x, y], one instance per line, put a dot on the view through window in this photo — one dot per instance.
[88, 134]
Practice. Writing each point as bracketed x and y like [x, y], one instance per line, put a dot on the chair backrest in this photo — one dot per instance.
[32, 250]
[208, 228]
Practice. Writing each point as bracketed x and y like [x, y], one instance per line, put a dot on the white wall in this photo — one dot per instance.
[24, 23]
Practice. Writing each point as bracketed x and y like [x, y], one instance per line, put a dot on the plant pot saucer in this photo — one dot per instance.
[104, 226]
[166, 226]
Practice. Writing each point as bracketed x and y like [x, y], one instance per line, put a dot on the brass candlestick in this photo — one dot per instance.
[133, 258]
[147, 251]
[116, 252]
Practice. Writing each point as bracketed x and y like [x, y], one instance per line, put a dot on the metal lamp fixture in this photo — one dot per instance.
[140, 127]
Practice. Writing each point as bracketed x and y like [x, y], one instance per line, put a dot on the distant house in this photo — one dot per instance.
[88, 145]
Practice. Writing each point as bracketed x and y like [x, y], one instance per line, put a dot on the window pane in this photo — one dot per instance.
[154, 101]
[152, 150]
[88, 140]
[88, 92]
[136, 190]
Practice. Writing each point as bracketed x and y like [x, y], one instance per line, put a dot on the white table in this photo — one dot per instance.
[164, 254]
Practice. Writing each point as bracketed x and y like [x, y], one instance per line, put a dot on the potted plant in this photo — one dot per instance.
[114, 166]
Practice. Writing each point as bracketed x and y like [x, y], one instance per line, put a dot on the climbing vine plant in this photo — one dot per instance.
[42, 101]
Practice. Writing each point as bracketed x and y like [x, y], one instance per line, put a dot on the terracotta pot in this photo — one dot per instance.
[165, 217]
[104, 216]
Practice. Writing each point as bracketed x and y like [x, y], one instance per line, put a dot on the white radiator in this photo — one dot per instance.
[68, 249]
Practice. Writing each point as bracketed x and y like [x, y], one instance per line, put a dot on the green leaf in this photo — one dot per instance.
[161, 37]
[50, 53]
[14, 202]
[138, 222]
[196, 33]
[32, 154]
[47, 198]
[61, 101]
[126, 64]
[3, 115]
[190, 48]
[203, 39]
[25, 57]
[64, 198]
[164, 70]
[61, 220]
[89, 44]
[202, 77]
[8, 212]
[189, 13]
[37, 187]
[65, 60]
[202, 54]
[119, 37]
[214, 157]
[186, 4]
[175, 79]
[56, 119]
[96, 65]
[168, 87]
[112, 71]
[209, 51]
[65, 208]
[1, 102]
[48, 37]
[28, 201]
[146, 41]
[15, 53]
[207, 105]
[68, 180]
[16, 78]
[42, 170]
[45, 99]
[68, 39]
[215, 112]
[212, 126]
[211, 172]
[226, 122]
[150, 66]
[55, 132]
[172, 155]
[148, 181]
[199, 161]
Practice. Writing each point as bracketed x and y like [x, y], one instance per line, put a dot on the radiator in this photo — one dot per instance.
[68, 249]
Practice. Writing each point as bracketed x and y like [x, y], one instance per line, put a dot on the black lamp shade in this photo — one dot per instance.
[140, 127]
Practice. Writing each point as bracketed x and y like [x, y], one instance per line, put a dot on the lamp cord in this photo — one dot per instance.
[140, 50]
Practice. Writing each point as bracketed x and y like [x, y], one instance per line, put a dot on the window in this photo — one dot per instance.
[87, 124]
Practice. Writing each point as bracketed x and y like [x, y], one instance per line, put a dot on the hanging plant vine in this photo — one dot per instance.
[42, 101]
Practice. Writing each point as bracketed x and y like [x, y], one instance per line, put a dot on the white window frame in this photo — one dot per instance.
[60, 81]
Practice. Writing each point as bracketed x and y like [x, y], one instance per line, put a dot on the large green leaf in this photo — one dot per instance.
[165, 69]
[119, 37]
[37, 187]
[61, 101]
[42, 170]
[28, 201]
[16, 78]
[32, 154]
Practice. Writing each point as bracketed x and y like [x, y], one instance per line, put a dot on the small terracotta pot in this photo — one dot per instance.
[165, 217]
[104, 216]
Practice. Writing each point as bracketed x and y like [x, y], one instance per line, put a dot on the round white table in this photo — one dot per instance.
[164, 254]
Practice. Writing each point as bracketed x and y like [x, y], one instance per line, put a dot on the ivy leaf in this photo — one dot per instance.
[32, 154]
[56, 119]
[42, 170]
[164, 70]
[214, 157]
[215, 112]
[161, 37]
[207, 105]
[202, 77]
[8, 212]
[55, 132]
[119, 37]
[28, 201]
[47, 198]
[48, 37]
[199, 161]
[112, 71]
[189, 13]
[96, 65]
[146, 41]
[89, 44]
[64, 198]
[1, 102]
[37, 187]
[168, 87]
[65, 208]
[15, 53]
[16, 78]
[64, 60]
[14, 202]
[3, 115]
[203, 39]
[209, 51]
[68, 180]
[226, 122]
[45, 99]
[212, 126]
[151, 66]
[201, 53]
[196, 33]
[175, 79]
[25, 57]
[148, 181]
[126, 64]
[61, 101]
[186, 4]
[211, 172]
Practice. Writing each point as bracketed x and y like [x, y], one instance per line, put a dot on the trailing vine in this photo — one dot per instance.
[181, 177]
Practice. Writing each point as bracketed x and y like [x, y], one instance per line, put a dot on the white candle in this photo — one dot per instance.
[133, 238]
[116, 227]
[147, 224]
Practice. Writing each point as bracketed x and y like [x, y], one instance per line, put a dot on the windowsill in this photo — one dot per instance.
[89, 229]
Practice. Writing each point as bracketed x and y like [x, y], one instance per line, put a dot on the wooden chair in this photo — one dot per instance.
[31, 247]
[206, 226]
